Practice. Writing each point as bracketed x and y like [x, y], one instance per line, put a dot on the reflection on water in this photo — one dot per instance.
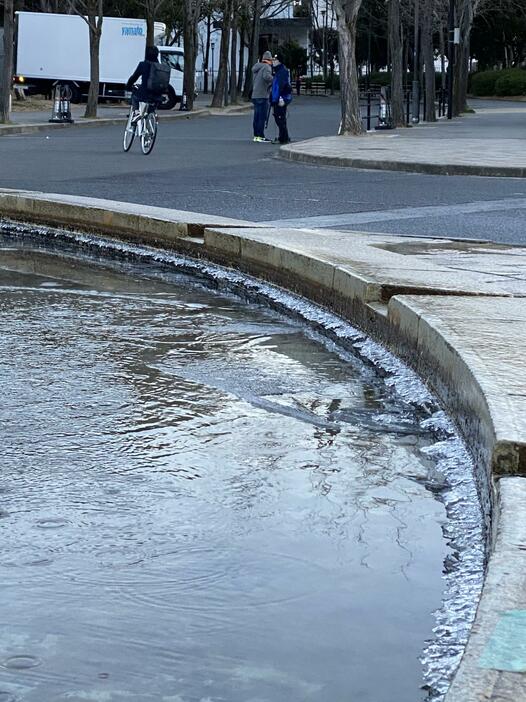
[200, 503]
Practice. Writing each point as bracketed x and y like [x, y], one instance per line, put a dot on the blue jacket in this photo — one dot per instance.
[281, 86]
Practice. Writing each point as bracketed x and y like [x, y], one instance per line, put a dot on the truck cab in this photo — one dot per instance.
[173, 56]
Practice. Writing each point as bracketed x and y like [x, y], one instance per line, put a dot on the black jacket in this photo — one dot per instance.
[143, 72]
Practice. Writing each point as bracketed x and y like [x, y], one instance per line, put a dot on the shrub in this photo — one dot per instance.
[483, 83]
[513, 82]
[510, 81]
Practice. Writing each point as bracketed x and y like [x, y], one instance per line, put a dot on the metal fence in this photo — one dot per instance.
[375, 104]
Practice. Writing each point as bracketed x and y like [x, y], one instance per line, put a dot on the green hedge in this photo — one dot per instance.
[510, 81]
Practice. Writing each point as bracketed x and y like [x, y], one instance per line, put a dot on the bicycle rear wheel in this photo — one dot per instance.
[149, 133]
[129, 133]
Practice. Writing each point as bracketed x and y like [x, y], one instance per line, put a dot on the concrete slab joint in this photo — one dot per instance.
[447, 317]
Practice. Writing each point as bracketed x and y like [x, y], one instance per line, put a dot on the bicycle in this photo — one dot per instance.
[144, 125]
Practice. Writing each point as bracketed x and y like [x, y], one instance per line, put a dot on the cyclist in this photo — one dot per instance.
[141, 93]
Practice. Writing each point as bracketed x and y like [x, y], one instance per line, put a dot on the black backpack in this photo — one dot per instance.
[159, 78]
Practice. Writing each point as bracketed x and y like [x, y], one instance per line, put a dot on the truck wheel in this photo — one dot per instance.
[169, 99]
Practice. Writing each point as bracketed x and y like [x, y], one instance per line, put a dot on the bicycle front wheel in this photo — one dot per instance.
[129, 133]
[149, 133]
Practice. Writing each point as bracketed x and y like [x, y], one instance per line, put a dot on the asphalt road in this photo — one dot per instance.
[211, 165]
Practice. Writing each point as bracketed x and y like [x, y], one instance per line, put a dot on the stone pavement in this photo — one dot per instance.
[491, 142]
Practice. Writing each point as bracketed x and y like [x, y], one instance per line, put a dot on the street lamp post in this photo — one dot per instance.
[452, 36]
[415, 119]
[213, 46]
[324, 44]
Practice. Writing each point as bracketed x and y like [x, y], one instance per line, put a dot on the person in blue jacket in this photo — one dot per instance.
[280, 97]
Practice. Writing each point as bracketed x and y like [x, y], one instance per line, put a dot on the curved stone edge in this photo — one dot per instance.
[494, 662]
[290, 154]
[400, 326]
[8, 129]
[154, 226]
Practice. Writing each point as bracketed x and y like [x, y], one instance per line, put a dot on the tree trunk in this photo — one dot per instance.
[347, 15]
[150, 26]
[428, 54]
[220, 92]
[241, 64]
[191, 10]
[461, 69]
[233, 59]
[206, 61]
[6, 78]
[95, 31]
[443, 74]
[397, 58]
[463, 74]
[253, 53]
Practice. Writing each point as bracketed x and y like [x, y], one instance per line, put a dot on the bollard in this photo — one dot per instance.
[61, 112]
[183, 107]
[384, 116]
[442, 102]
[415, 99]
[368, 110]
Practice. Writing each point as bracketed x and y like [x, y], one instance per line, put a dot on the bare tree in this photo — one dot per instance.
[428, 55]
[346, 17]
[255, 10]
[254, 13]
[151, 10]
[205, 48]
[241, 56]
[192, 11]
[233, 55]
[396, 48]
[92, 12]
[221, 87]
[466, 10]
[7, 68]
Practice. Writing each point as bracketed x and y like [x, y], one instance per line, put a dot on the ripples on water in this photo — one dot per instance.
[199, 501]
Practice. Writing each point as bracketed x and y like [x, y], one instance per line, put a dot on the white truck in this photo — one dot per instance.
[54, 48]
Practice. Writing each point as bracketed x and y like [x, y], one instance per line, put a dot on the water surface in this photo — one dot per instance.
[200, 501]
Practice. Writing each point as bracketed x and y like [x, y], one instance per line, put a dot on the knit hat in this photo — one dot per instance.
[267, 56]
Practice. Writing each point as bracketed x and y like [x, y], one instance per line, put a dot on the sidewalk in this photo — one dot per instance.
[29, 121]
[491, 142]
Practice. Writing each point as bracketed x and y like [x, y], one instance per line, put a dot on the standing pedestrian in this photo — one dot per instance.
[261, 83]
[280, 97]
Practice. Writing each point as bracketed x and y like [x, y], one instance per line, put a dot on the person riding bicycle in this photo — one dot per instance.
[141, 93]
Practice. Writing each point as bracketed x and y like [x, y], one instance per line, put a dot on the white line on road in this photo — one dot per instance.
[356, 218]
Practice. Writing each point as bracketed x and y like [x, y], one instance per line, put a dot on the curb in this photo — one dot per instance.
[289, 154]
[13, 129]
[457, 370]
[155, 226]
